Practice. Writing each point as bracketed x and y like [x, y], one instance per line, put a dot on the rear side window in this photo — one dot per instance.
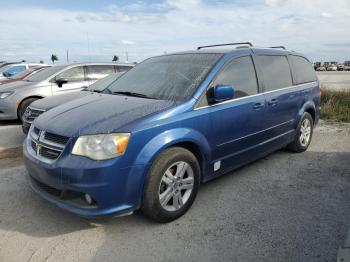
[275, 71]
[99, 71]
[122, 68]
[240, 74]
[304, 72]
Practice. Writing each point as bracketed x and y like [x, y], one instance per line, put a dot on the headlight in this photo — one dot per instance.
[101, 147]
[5, 94]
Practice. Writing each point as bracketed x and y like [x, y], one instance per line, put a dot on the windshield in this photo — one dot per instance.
[103, 83]
[169, 77]
[44, 74]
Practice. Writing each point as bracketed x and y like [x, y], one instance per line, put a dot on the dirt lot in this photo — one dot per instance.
[285, 207]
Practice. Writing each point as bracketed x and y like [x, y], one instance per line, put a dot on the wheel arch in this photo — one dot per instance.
[308, 107]
[24, 99]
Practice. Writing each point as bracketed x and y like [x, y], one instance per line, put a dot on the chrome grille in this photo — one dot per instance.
[47, 146]
[31, 113]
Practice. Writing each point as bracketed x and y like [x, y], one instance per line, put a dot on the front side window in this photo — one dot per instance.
[168, 77]
[74, 74]
[303, 69]
[99, 71]
[240, 74]
[275, 71]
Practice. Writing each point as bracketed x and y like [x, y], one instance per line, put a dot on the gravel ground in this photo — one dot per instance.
[334, 80]
[285, 207]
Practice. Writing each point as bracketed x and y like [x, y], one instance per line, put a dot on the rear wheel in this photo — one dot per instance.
[303, 134]
[23, 106]
[171, 185]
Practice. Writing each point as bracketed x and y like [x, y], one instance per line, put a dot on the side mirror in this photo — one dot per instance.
[6, 74]
[220, 93]
[61, 81]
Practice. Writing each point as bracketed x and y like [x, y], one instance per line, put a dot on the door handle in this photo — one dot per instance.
[258, 105]
[272, 102]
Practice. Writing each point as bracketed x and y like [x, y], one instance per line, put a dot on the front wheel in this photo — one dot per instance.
[171, 185]
[303, 134]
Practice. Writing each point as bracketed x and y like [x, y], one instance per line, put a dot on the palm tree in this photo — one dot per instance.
[54, 58]
[115, 58]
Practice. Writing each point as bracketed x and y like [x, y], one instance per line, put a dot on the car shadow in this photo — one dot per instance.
[10, 122]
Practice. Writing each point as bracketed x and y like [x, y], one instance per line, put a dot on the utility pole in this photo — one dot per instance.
[127, 56]
[88, 45]
[67, 56]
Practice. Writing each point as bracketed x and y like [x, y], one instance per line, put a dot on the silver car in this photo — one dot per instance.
[16, 97]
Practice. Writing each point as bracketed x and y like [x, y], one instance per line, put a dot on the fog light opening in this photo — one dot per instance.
[88, 199]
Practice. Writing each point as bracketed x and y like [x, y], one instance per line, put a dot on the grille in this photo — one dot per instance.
[47, 146]
[56, 138]
[31, 113]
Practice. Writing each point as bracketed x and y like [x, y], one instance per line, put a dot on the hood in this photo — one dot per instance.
[97, 114]
[53, 101]
[13, 86]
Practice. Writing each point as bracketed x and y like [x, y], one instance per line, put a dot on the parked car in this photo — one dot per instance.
[332, 68]
[21, 76]
[14, 69]
[42, 105]
[172, 122]
[16, 97]
[321, 68]
[4, 63]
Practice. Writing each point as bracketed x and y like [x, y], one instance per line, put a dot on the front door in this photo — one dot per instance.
[237, 124]
[75, 78]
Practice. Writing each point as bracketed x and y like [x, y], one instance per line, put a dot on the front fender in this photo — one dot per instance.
[171, 137]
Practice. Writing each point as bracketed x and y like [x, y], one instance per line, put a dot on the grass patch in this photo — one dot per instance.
[335, 105]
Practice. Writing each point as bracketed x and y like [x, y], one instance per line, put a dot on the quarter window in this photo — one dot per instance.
[303, 70]
[240, 74]
[74, 74]
[275, 71]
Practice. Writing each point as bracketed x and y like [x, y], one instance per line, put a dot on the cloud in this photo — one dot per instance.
[127, 42]
[150, 29]
[326, 15]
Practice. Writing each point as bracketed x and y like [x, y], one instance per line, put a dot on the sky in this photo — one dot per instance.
[96, 30]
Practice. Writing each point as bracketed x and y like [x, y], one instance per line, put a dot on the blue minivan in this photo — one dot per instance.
[172, 122]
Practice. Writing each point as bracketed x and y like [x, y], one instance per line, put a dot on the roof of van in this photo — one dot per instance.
[261, 50]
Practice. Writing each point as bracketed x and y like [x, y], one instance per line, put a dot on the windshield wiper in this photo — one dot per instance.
[93, 90]
[127, 93]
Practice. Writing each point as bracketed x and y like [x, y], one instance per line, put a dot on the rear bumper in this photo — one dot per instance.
[115, 191]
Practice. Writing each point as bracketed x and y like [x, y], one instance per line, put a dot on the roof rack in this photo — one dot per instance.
[279, 47]
[241, 43]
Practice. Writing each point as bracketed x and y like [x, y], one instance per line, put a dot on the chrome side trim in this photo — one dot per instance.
[246, 97]
[267, 129]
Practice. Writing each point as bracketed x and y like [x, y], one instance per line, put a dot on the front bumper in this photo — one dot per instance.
[8, 109]
[26, 127]
[114, 190]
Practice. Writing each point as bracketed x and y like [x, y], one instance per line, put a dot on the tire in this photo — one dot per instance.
[299, 144]
[23, 107]
[175, 192]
